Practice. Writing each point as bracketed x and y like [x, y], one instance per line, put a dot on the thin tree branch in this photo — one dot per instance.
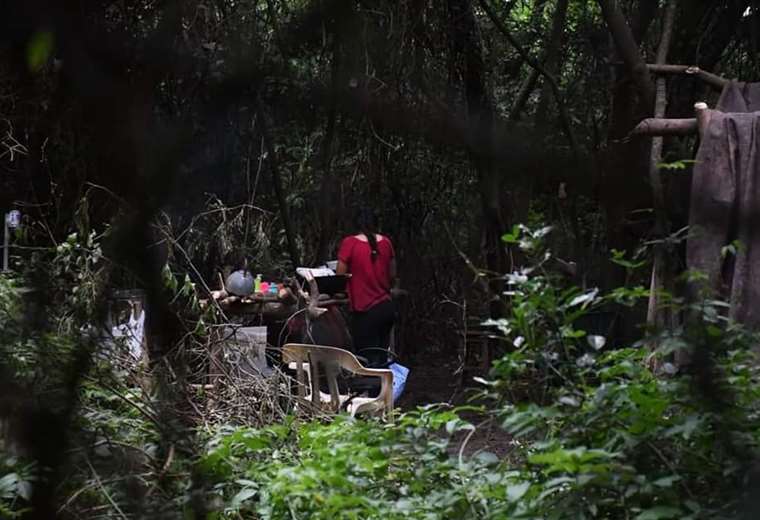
[564, 117]
[277, 182]
[551, 59]
[523, 95]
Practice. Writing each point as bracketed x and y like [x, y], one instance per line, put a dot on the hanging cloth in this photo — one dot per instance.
[725, 204]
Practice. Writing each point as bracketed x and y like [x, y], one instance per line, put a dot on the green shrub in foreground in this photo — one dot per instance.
[360, 469]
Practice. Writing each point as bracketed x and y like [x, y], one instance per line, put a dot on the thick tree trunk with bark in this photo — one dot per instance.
[623, 185]
[628, 49]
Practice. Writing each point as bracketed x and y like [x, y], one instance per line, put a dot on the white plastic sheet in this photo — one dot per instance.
[133, 333]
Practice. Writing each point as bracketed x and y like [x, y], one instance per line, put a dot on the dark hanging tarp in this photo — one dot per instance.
[725, 203]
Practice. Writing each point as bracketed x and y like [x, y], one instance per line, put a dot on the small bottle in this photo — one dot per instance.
[264, 287]
[257, 284]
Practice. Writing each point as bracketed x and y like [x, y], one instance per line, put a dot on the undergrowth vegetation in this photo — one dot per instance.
[595, 433]
[592, 429]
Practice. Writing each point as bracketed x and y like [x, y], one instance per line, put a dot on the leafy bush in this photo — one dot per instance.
[352, 469]
[608, 438]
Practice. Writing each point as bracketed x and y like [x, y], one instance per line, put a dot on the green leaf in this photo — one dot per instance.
[517, 491]
[8, 484]
[512, 237]
[487, 458]
[618, 257]
[39, 49]
[675, 165]
[658, 512]
[666, 482]
[242, 496]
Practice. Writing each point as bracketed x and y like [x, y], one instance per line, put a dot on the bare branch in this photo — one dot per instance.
[563, 115]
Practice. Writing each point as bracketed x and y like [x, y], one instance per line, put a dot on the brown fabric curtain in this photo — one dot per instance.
[725, 203]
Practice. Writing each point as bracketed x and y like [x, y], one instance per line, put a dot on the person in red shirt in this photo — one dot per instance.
[370, 258]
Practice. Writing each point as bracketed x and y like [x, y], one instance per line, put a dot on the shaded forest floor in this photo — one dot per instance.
[433, 379]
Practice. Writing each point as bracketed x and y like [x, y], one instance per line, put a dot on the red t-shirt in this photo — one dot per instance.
[370, 282]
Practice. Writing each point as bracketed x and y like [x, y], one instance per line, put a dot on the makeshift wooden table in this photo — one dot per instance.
[270, 310]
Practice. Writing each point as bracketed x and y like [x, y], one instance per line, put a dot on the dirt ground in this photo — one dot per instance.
[435, 380]
[431, 381]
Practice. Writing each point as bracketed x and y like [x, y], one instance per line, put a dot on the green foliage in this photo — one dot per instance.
[625, 445]
[33, 357]
[676, 165]
[542, 326]
[631, 444]
[355, 469]
[15, 487]
[75, 277]
[39, 49]
[607, 438]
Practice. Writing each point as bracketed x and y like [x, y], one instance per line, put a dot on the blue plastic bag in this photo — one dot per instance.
[400, 373]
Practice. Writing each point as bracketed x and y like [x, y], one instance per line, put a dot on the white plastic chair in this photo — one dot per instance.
[309, 360]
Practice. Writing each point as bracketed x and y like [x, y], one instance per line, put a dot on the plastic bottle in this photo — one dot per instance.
[264, 287]
[257, 284]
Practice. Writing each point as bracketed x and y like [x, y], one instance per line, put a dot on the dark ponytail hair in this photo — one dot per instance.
[366, 221]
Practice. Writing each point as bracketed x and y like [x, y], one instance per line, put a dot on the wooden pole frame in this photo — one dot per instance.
[711, 79]
[653, 127]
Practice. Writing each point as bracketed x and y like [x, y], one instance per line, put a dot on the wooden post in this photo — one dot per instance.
[711, 79]
[661, 272]
[652, 127]
[703, 116]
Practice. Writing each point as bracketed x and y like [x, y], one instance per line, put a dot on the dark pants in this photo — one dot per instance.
[371, 329]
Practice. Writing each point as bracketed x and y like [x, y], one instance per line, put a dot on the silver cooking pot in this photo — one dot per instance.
[239, 283]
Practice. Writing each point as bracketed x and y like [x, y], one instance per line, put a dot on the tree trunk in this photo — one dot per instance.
[277, 183]
[327, 191]
[628, 49]
[564, 117]
[530, 82]
[465, 42]
[526, 89]
[622, 184]
[662, 269]
[660, 106]
[551, 62]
